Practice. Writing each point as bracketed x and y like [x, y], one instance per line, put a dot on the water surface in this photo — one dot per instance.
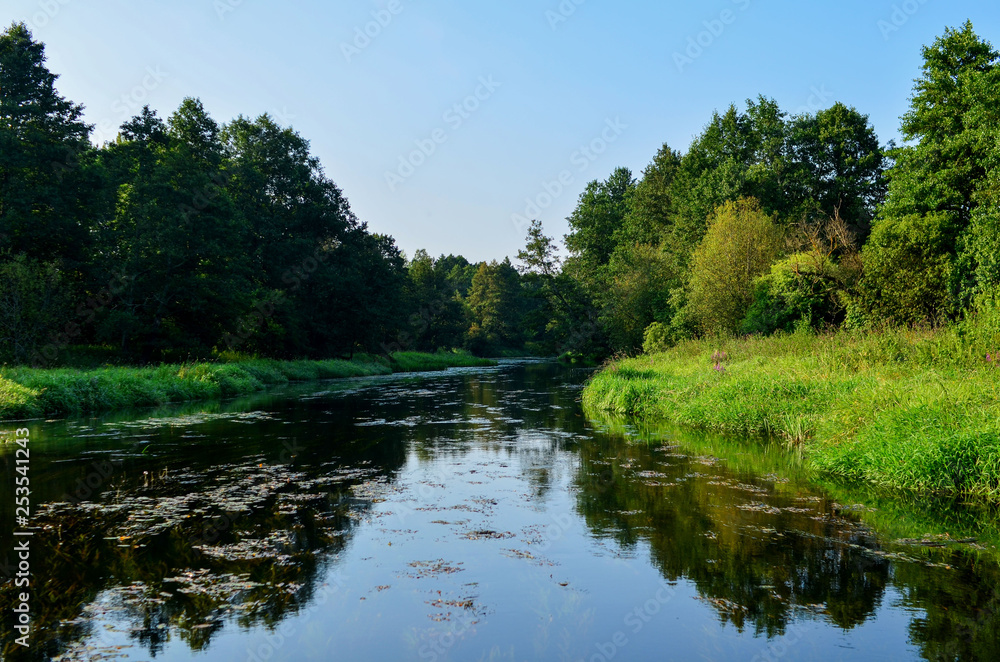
[471, 515]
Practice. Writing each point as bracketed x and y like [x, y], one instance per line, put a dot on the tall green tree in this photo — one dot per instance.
[918, 263]
[650, 208]
[598, 219]
[839, 165]
[299, 231]
[741, 244]
[438, 318]
[495, 306]
[174, 238]
[49, 187]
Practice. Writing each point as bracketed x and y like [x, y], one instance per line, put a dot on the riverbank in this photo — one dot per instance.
[31, 392]
[905, 410]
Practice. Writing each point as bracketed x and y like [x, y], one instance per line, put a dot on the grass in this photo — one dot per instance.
[30, 392]
[419, 362]
[905, 410]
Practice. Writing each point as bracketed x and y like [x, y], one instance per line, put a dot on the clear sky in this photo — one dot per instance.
[543, 88]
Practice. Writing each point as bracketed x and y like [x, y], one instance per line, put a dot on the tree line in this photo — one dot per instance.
[186, 237]
[775, 222]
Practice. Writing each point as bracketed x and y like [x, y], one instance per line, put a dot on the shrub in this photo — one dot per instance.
[741, 244]
[909, 263]
[656, 338]
[805, 289]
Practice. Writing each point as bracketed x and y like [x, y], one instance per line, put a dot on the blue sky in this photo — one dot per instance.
[488, 104]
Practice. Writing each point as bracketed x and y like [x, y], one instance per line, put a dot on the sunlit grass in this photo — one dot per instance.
[910, 410]
[29, 392]
[419, 362]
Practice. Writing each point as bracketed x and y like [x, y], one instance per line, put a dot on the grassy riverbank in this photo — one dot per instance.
[29, 392]
[905, 410]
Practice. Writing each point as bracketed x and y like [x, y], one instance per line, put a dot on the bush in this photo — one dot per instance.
[909, 265]
[741, 244]
[805, 289]
[656, 339]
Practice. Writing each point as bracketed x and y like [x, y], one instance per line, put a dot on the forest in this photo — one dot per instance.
[186, 238]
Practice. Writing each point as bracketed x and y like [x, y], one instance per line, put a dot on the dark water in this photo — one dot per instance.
[471, 515]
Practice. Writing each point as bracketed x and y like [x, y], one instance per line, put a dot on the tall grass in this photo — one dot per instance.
[29, 392]
[419, 362]
[901, 409]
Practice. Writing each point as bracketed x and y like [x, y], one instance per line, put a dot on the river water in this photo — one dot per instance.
[471, 515]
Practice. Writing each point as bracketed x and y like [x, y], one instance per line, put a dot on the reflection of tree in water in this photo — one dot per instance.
[961, 604]
[759, 558]
[182, 553]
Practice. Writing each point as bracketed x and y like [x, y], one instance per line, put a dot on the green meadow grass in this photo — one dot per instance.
[905, 410]
[30, 392]
[420, 362]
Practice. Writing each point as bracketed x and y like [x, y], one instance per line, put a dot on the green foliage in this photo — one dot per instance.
[909, 264]
[597, 218]
[656, 338]
[636, 294]
[635, 267]
[805, 288]
[48, 181]
[34, 307]
[741, 244]
[648, 218]
[437, 287]
[900, 409]
[838, 165]
[495, 307]
[924, 259]
[420, 362]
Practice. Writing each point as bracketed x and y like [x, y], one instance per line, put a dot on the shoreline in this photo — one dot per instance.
[908, 411]
[27, 393]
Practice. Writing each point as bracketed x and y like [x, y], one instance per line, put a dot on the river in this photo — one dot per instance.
[471, 515]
